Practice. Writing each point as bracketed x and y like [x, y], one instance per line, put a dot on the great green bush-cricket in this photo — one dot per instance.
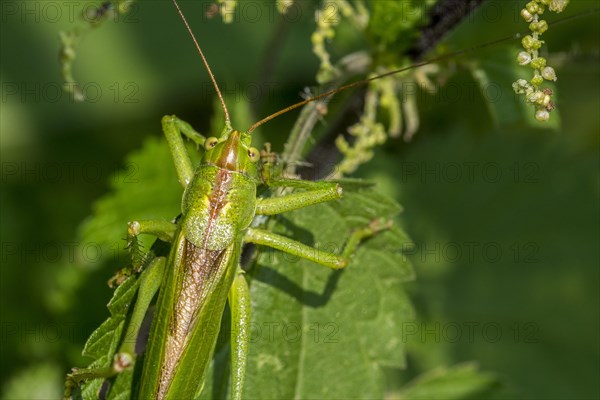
[201, 272]
[202, 269]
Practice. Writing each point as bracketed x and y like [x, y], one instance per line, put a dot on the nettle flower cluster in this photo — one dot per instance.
[540, 97]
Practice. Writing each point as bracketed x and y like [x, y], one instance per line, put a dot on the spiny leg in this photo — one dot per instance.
[173, 128]
[316, 192]
[150, 281]
[299, 183]
[163, 230]
[239, 303]
[334, 261]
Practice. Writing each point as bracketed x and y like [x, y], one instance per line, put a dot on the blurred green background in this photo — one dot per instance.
[504, 214]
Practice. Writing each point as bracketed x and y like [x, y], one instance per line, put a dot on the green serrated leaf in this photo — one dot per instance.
[399, 267]
[368, 205]
[90, 390]
[103, 341]
[322, 333]
[119, 304]
[463, 381]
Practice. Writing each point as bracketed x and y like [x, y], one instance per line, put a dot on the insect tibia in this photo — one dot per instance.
[373, 228]
[136, 252]
[139, 259]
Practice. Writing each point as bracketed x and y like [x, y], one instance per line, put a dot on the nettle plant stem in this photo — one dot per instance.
[540, 98]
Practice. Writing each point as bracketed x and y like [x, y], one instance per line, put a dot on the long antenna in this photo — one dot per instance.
[416, 65]
[365, 81]
[212, 77]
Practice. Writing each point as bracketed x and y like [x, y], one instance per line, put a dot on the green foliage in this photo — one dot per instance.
[463, 381]
[362, 308]
[393, 24]
[534, 213]
[104, 341]
[325, 333]
[34, 383]
[135, 195]
[344, 324]
[558, 213]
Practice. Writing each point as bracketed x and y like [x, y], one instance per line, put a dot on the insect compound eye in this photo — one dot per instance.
[254, 154]
[210, 143]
